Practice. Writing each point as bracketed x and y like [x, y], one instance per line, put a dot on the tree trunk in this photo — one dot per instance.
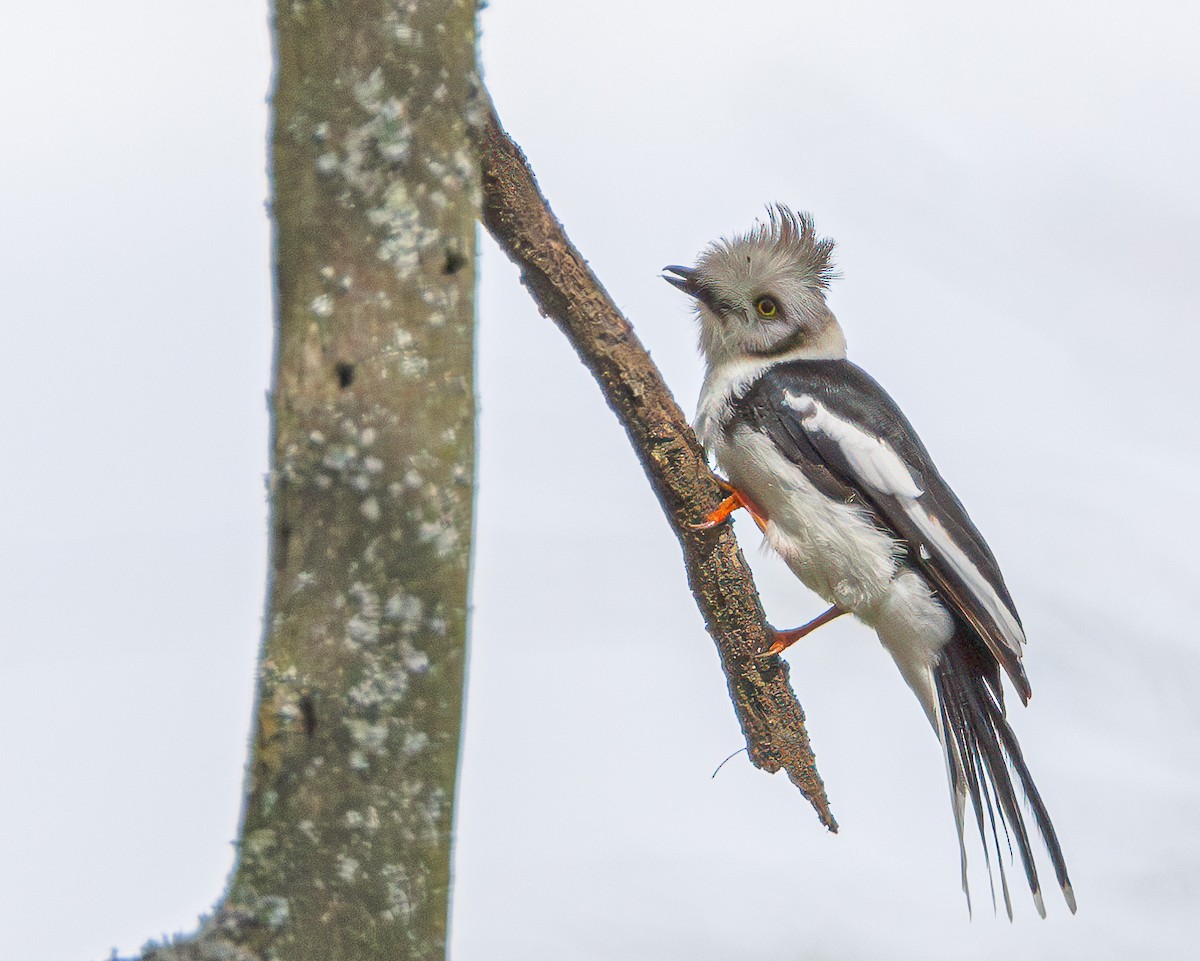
[345, 846]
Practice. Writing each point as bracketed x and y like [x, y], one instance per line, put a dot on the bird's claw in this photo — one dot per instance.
[720, 514]
[782, 640]
[734, 502]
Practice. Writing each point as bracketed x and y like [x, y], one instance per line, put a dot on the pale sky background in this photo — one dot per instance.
[1013, 188]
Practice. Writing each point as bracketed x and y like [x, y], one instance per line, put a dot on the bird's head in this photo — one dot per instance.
[762, 294]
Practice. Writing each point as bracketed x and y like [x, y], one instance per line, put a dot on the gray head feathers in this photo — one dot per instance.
[761, 294]
[786, 244]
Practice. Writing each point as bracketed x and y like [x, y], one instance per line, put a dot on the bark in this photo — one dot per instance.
[558, 278]
[345, 845]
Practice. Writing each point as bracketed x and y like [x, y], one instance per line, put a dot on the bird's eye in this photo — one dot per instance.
[766, 307]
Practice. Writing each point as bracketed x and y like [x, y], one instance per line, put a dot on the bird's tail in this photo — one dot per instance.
[982, 757]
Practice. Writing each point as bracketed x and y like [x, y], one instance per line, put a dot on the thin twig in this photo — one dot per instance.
[564, 288]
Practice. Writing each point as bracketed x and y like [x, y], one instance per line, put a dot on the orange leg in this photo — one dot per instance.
[735, 501]
[782, 640]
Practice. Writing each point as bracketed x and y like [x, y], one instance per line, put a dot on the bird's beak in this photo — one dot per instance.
[685, 279]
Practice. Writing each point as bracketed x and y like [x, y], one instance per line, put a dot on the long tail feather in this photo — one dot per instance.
[982, 757]
[1041, 817]
[963, 784]
[977, 787]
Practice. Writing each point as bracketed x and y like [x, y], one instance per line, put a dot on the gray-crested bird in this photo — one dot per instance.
[845, 492]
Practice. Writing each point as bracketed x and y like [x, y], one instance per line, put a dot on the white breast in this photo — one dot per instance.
[834, 548]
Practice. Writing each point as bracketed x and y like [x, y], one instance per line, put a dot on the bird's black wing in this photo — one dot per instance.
[847, 435]
[839, 426]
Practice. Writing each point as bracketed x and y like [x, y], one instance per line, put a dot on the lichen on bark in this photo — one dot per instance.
[345, 847]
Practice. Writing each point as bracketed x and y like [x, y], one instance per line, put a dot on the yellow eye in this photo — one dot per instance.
[766, 307]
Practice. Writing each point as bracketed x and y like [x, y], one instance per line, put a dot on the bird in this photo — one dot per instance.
[846, 493]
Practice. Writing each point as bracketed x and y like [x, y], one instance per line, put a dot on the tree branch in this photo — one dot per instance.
[565, 289]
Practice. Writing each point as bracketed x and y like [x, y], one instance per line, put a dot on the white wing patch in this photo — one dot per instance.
[957, 558]
[871, 458]
[878, 467]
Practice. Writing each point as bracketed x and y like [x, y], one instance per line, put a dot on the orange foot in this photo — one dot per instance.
[735, 501]
[782, 640]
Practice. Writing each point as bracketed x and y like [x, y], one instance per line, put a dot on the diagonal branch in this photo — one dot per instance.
[565, 289]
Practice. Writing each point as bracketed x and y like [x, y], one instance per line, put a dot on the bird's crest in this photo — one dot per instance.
[786, 243]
